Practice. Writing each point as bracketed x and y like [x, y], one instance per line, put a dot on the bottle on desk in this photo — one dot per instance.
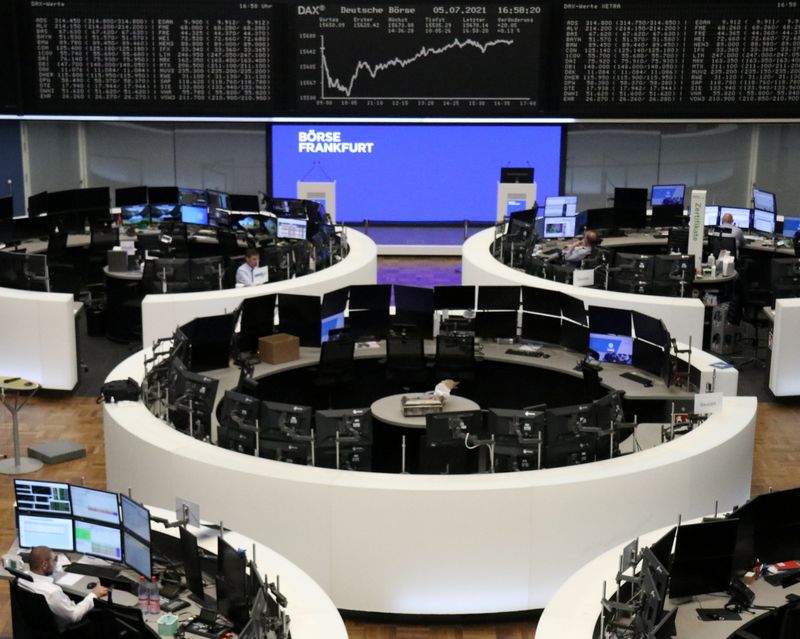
[155, 597]
[144, 595]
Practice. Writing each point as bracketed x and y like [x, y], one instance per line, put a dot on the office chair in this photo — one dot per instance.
[405, 360]
[31, 617]
[455, 357]
[228, 244]
[336, 367]
[57, 245]
[719, 243]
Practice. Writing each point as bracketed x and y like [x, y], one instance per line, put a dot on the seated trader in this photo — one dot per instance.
[43, 562]
[738, 234]
[244, 274]
[579, 250]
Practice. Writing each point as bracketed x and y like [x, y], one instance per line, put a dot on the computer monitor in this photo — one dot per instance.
[192, 568]
[241, 203]
[741, 217]
[135, 518]
[256, 321]
[247, 222]
[450, 427]
[135, 214]
[239, 411]
[6, 208]
[41, 530]
[616, 321]
[193, 214]
[765, 201]
[650, 329]
[42, 497]
[516, 425]
[219, 209]
[498, 298]
[291, 228]
[231, 582]
[612, 349]
[561, 206]
[711, 216]
[136, 554]
[351, 423]
[668, 195]
[662, 548]
[300, 315]
[516, 175]
[574, 337]
[514, 205]
[163, 195]
[791, 225]
[90, 503]
[38, 204]
[564, 443]
[649, 357]
[130, 196]
[453, 297]
[97, 540]
[330, 323]
[161, 213]
[673, 268]
[281, 421]
[703, 560]
[773, 523]
[764, 221]
[559, 227]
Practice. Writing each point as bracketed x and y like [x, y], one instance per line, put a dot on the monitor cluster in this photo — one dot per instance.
[296, 434]
[526, 439]
[74, 518]
[706, 557]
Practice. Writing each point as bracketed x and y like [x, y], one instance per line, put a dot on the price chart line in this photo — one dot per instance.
[327, 79]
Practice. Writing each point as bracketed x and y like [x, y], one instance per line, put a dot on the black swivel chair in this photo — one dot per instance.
[31, 617]
[455, 357]
[405, 360]
[336, 368]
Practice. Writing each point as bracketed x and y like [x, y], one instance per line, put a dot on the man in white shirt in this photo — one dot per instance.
[244, 274]
[43, 563]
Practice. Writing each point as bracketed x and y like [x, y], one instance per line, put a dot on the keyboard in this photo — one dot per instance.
[525, 352]
[93, 570]
[644, 381]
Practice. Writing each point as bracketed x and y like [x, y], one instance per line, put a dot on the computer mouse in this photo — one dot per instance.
[91, 585]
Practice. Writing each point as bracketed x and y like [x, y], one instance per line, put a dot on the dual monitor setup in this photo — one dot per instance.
[709, 557]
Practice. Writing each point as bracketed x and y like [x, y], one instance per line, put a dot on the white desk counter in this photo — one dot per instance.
[38, 340]
[426, 544]
[683, 317]
[161, 314]
[784, 371]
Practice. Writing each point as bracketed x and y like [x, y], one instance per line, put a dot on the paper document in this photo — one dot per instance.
[69, 579]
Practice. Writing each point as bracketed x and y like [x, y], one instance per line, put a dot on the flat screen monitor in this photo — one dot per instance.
[541, 300]
[192, 568]
[573, 309]
[98, 540]
[241, 203]
[163, 195]
[649, 357]
[668, 194]
[135, 214]
[453, 297]
[515, 204]
[763, 221]
[498, 298]
[443, 428]
[764, 200]
[219, 208]
[248, 222]
[331, 323]
[564, 443]
[516, 175]
[561, 206]
[239, 410]
[42, 497]
[231, 583]
[164, 213]
[300, 315]
[612, 349]
[193, 214]
[130, 196]
[703, 560]
[711, 217]
[791, 225]
[575, 337]
[741, 217]
[662, 548]
[351, 423]
[650, 329]
[90, 503]
[135, 518]
[370, 297]
[38, 204]
[291, 228]
[559, 227]
[40, 530]
[616, 321]
[283, 421]
[6, 208]
[257, 321]
[136, 554]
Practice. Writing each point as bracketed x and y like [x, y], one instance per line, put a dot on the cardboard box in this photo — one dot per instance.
[279, 348]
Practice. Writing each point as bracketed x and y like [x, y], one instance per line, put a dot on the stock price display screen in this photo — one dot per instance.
[632, 57]
[448, 59]
[119, 56]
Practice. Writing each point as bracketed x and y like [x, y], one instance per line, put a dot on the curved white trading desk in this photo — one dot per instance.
[424, 544]
[38, 339]
[161, 314]
[683, 317]
[784, 370]
[312, 612]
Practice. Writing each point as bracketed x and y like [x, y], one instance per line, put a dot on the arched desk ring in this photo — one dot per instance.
[394, 426]
[15, 393]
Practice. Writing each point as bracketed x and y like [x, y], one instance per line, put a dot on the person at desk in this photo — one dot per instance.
[244, 274]
[738, 234]
[43, 562]
[579, 250]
